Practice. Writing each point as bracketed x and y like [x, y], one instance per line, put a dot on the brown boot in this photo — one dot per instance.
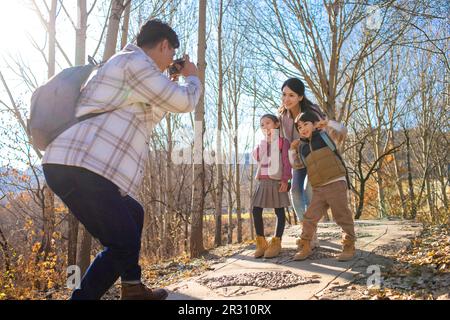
[305, 250]
[298, 242]
[141, 292]
[261, 246]
[314, 243]
[274, 248]
[348, 250]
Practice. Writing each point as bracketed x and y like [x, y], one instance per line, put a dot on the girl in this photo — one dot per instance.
[295, 102]
[273, 174]
[328, 177]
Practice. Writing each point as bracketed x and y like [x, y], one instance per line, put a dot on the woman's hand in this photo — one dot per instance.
[283, 187]
[322, 124]
[295, 144]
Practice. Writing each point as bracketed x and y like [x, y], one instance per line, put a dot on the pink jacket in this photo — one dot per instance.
[262, 154]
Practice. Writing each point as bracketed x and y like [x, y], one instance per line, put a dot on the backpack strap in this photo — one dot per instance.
[328, 141]
[94, 62]
[95, 65]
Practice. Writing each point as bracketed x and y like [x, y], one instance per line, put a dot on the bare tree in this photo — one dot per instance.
[113, 28]
[198, 190]
[219, 154]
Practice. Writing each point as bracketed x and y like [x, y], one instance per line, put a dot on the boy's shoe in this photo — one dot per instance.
[305, 250]
[348, 250]
[261, 246]
[141, 292]
[274, 248]
[314, 243]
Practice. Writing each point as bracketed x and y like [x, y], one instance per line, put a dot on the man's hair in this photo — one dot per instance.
[154, 31]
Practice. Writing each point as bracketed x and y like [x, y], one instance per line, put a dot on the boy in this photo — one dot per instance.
[328, 177]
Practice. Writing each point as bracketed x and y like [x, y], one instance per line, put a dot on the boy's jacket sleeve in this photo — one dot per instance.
[294, 159]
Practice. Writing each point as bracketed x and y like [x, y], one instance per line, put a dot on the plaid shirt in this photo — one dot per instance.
[115, 144]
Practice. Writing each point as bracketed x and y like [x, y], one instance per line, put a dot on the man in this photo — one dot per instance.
[96, 166]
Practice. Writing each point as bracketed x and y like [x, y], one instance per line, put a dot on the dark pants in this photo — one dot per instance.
[259, 223]
[116, 221]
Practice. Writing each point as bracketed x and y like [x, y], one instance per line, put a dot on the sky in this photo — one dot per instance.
[19, 23]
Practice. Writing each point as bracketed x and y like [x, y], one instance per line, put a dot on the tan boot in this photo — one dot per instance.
[305, 250]
[274, 248]
[141, 292]
[261, 246]
[314, 243]
[348, 250]
[298, 242]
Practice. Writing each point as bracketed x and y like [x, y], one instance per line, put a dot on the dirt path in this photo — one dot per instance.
[320, 277]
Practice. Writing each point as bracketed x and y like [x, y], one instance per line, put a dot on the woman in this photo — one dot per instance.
[295, 102]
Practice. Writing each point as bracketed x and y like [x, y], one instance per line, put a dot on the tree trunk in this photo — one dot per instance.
[125, 25]
[84, 254]
[360, 207]
[230, 198]
[237, 177]
[410, 176]
[198, 191]
[72, 240]
[169, 212]
[219, 154]
[381, 195]
[48, 213]
[5, 249]
[52, 39]
[252, 166]
[161, 206]
[113, 29]
[399, 185]
[430, 200]
[48, 210]
[80, 58]
[80, 40]
[443, 186]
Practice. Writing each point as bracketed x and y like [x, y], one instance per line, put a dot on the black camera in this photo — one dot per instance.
[173, 70]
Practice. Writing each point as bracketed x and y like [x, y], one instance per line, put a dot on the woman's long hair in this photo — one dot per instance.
[298, 87]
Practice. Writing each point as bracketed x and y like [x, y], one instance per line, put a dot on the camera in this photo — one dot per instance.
[173, 70]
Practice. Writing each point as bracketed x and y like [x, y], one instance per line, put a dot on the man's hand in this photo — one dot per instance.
[175, 77]
[283, 187]
[189, 68]
[295, 144]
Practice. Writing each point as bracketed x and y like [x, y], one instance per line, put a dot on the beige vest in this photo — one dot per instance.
[323, 166]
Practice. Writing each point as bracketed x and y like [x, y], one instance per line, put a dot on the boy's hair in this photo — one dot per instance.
[154, 31]
[272, 117]
[306, 117]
